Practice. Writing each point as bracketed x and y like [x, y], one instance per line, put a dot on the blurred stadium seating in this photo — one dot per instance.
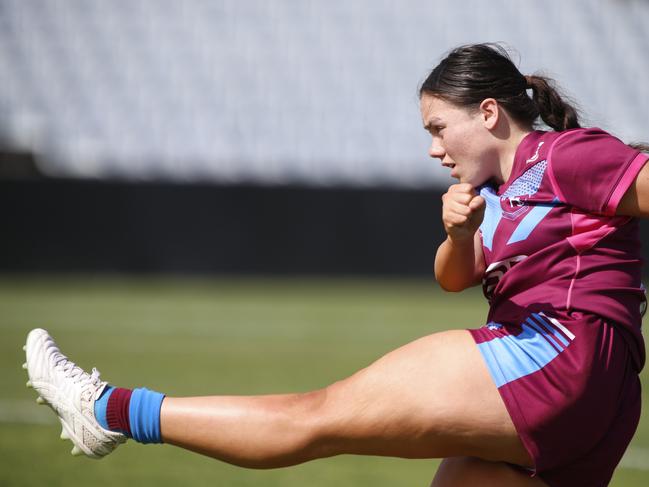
[277, 92]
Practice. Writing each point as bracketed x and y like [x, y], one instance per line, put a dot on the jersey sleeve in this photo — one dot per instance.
[592, 170]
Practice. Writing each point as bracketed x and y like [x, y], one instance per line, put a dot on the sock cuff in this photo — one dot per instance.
[117, 410]
[144, 414]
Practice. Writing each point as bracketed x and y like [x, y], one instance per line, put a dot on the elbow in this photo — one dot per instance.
[452, 287]
[455, 283]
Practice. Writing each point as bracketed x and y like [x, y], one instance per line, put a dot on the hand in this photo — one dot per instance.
[462, 212]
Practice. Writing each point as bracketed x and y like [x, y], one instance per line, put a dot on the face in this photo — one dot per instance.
[461, 140]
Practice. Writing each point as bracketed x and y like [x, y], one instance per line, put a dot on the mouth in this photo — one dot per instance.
[451, 166]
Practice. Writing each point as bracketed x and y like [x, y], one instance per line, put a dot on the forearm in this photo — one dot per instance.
[455, 265]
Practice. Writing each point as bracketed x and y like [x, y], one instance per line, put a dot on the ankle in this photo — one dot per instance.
[134, 413]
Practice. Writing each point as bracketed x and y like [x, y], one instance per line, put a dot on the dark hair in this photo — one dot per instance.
[471, 73]
[641, 146]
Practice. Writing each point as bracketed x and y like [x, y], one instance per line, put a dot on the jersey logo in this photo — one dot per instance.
[513, 204]
[496, 271]
[493, 326]
[536, 154]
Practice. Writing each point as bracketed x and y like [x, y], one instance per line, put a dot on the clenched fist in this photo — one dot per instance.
[462, 212]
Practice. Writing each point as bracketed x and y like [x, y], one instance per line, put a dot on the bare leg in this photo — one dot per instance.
[473, 472]
[249, 431]
[431, 398]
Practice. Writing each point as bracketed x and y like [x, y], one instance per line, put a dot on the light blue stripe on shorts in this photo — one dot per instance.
[511, 357]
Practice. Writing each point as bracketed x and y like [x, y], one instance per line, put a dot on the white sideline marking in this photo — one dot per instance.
[23, 411]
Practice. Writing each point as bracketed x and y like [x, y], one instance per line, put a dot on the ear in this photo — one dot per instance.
[490, 113]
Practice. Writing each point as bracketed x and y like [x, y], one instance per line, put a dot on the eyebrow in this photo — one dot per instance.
[432, 122]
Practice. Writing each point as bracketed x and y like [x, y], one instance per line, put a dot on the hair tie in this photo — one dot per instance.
[528, 82]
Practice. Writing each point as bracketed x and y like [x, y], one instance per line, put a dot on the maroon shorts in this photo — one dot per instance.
[572, 390]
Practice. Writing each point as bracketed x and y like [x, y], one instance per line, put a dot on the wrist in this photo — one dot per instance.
[460, 240]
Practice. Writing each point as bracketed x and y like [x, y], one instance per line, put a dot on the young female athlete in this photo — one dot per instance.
[545, 394]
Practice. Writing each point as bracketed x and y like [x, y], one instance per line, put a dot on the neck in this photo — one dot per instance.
[507, 153]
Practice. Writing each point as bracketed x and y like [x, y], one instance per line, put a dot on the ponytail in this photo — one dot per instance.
[556, 112]
[641, 146]
[553, 109]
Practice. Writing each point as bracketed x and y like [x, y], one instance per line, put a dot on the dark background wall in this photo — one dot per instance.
[70, 226]
[56, 225]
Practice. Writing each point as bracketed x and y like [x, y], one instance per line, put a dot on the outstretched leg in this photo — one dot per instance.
[431, 398]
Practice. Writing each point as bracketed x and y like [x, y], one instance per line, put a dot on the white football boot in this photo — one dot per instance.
[71, 393]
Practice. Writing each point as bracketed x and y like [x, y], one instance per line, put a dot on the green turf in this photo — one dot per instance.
[230, 336]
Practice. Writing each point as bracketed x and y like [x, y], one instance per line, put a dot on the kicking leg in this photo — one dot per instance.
[431, 398]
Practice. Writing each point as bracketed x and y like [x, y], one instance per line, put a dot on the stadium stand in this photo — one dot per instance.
[281, 92]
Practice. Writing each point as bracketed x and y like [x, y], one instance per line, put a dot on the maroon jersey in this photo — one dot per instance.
[552, 242]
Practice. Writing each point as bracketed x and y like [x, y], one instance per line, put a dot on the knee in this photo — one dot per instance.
[474, 472]
[307, 417]
[323, 416]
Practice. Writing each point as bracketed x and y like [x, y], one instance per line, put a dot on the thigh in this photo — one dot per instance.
[431, 398]
[473, 472]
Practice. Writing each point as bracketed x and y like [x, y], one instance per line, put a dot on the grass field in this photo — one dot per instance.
[229, 336]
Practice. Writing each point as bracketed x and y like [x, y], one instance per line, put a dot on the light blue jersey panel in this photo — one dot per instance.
[525, 186]
[492, 216]
[531, 221]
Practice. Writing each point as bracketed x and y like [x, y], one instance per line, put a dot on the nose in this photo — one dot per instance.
[436, 150]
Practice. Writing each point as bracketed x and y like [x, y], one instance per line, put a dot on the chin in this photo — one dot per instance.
[475, 182]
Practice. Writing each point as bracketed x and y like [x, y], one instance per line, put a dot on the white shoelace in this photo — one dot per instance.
[76, 373]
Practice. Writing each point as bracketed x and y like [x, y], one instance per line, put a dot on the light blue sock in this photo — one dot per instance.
[100, 407]
[144, 415]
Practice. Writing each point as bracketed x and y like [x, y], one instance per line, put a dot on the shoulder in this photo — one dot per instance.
[585, 143]
[590, 169]
[587, 153]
